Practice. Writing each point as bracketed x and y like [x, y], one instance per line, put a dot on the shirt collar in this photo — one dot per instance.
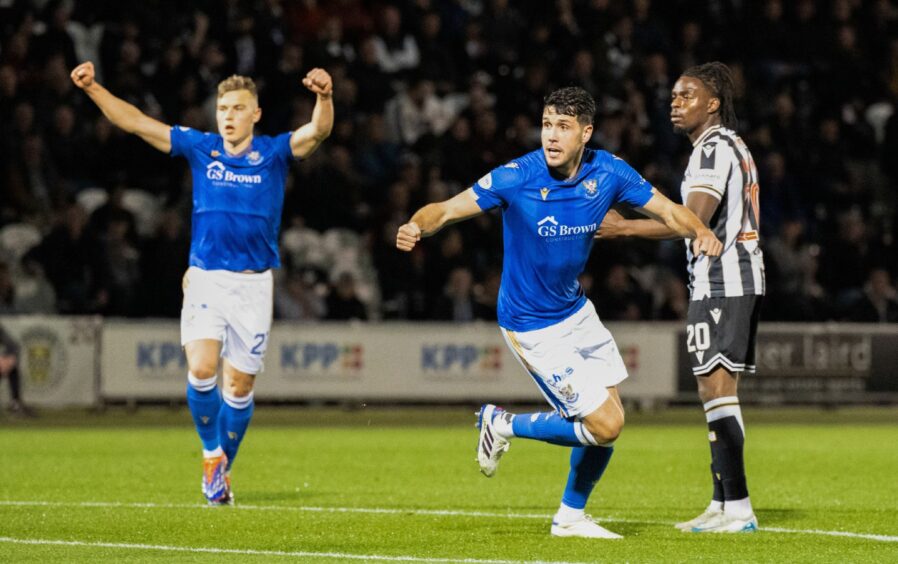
[705, 135]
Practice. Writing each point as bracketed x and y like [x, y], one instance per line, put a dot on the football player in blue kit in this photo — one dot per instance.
[553, 201]
[238, 195]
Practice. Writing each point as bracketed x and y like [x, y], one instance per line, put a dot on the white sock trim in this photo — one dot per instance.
[213, 453]
[502, 426]
[567, 514]
[740, 508]
[584, 436]
[238, 402]
[709, 405]
[201, 384]
[724, 407]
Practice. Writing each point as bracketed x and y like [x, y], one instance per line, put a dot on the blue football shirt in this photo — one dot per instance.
[548, 229]
[237, 199]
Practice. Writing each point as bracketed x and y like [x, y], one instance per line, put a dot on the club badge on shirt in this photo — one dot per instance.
[591, 187]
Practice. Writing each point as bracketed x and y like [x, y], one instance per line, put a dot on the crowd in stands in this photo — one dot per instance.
[429, 96]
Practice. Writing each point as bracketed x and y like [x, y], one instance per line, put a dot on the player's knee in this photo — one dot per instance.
[239, 386]
[607, 428]
[204, 370]
[718, 384]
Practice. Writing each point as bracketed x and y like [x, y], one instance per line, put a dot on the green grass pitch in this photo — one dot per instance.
[325, 485]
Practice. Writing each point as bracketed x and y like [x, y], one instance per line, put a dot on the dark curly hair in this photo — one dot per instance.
[718, 79]
[572, 101]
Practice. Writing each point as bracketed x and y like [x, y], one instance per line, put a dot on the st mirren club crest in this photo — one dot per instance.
[592, 187]
[44, 359]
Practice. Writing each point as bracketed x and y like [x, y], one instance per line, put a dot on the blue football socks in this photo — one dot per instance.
[233, 421]
[204, 402]
[551, 428]
[587, 466]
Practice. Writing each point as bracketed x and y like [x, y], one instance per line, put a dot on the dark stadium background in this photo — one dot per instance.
[430, 95]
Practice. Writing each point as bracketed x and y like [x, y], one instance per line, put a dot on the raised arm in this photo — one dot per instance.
[433, 217]
[669, 221]
[306, 139]
[121, 113]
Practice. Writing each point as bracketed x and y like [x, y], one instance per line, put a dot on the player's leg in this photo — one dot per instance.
[726, 433]
[577, 367]
[540, 353]
[236, 409]
[587, 465]
[722, 343]
[203, 397]
[249, 325]
[204, 401]
[202, 333]
[600, 427]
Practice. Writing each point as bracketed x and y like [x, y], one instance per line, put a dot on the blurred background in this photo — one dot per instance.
[430, 95]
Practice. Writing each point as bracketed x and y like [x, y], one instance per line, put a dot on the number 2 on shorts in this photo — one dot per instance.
[260, 340]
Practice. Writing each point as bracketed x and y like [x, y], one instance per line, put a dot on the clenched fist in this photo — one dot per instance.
[407, 236]
[319, 81]
[83, 75]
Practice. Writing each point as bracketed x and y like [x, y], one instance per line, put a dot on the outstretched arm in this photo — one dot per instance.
[614, 225]
[669, 221]
[433, 217]
[121, 113]
[306, 139]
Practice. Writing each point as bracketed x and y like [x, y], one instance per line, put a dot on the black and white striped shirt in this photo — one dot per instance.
[722, 166]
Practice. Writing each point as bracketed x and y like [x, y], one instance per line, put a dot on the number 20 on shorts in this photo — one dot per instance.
[698, 337]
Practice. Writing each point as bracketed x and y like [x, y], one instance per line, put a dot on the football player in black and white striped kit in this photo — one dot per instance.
[721, 187]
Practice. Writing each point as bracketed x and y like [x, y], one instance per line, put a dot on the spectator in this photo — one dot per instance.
[34, 293]
[395, 49]
[162, 264]
[343, 303]
[622, 298]
[68, 257]
[418, 112]
[9, 369]
[457, 301]
[298, 298]
[879, 301]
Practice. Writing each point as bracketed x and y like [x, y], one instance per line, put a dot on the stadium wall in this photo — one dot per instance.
[373, 362]
[85, 361]
[58, 359]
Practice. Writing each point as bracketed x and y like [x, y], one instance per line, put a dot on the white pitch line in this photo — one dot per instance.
[426, 512]
[250, 552]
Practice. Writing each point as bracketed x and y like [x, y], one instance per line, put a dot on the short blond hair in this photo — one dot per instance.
[237, 82]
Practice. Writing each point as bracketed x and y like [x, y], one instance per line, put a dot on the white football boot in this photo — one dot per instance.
[584, 528]
[490, 446]
[687, 526]
[724, 523]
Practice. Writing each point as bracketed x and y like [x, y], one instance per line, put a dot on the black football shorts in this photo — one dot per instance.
[722, 332]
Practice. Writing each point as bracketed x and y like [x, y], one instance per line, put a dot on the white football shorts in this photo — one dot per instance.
[573, 362]
[232, 307]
